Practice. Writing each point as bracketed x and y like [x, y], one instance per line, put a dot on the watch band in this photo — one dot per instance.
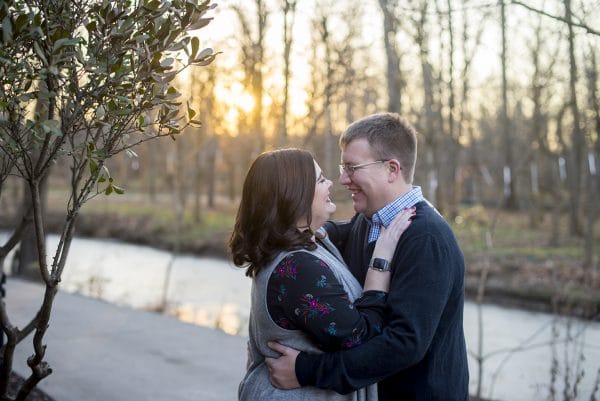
[383, 265]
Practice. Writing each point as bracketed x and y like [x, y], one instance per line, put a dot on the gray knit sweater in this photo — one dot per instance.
[256, 385]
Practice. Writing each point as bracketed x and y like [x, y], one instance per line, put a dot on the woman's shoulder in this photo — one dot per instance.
[301, 257]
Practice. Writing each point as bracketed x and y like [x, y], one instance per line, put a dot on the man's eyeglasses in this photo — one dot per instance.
[350, 169]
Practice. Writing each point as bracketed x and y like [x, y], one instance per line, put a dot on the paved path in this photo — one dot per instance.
[102, 352]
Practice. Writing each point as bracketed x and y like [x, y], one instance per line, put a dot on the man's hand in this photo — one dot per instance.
[282, 370]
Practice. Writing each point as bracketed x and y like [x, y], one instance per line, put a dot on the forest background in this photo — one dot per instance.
[504, 96]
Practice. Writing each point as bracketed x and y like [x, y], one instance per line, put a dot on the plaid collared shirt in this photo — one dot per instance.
[386, 214]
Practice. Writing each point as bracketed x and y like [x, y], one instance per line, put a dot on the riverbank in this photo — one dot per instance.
[521, 269]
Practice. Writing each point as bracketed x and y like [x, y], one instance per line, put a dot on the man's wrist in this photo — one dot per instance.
[305, 373]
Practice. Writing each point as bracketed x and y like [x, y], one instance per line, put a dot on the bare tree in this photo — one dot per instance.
[323, 28]
[391, 25]
[593, 160]
[252, 47]
[577, 138]
[352, 77]
[577, 24]
[432, 123]
[205, 140]
[465, 123]
[511, 199]
[289, 16]
[540, 93]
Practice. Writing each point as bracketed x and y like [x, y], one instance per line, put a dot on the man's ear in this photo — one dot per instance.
[394, 169]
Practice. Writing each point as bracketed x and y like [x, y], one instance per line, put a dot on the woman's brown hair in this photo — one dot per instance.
[278, 191]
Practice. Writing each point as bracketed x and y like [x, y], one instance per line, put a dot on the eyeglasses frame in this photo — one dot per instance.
[351, 169]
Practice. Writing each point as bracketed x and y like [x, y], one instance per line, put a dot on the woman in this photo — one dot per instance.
[303, 295]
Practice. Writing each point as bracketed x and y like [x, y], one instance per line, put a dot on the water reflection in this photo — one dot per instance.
[224, 317]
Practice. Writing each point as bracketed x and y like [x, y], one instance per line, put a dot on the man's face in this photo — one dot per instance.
[369, 184]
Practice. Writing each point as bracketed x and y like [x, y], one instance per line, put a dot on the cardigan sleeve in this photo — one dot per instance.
[303, 294]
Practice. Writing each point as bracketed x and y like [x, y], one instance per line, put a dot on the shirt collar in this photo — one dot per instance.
[387, 213]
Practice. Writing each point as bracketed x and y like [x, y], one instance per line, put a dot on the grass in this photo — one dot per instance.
[513, 235]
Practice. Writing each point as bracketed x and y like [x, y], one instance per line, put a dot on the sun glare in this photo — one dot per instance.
[237, 102]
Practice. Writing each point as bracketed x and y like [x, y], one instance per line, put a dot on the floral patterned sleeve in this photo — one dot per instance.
[303, 294]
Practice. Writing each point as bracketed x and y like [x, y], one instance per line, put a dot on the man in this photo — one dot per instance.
[421, 353]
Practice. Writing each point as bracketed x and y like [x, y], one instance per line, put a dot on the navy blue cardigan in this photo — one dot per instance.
[421, 353]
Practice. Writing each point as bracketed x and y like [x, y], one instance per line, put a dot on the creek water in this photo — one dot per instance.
[520, 349]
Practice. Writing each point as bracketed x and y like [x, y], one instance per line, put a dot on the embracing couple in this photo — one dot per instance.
[367, 309]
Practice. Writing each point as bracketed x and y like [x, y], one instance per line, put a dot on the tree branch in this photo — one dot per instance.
[556, 17]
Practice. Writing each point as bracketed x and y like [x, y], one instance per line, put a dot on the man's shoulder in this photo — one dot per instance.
[431, 214]
[429, 221]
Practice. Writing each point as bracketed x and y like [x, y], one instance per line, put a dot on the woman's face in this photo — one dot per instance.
[322, 206]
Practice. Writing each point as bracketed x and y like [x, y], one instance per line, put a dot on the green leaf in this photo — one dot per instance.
[195, 47]
[205, 61]
[152, 5]
[93, 167]
[167, 63]
[108, 190]
[91, 27]
[64, 42]
[200, 23]
[168, 77]
[191, 112]
[118, 190]
[52, 127]
[38, 50]
[7, 35]
[21, 21]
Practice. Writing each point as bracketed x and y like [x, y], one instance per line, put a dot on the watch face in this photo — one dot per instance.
[381, 264]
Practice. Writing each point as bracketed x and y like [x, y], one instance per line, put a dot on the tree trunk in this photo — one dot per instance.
[330, 161]
[510, 195]
[211, 162]
[431, 132]
[289, 14]
[593, 163]
[253, 61]
[578, 141]
[393, 71]
[454, 183]
[27, 265]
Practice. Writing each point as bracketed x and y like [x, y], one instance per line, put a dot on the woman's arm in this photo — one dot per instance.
[378, 279]
[303, 294]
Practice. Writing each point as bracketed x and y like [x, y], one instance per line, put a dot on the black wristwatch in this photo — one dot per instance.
[382, 265]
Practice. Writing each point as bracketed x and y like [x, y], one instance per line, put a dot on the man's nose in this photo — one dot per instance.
[344, 178]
